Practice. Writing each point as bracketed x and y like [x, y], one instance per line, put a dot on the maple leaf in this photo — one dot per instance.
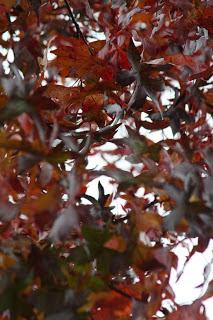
[96, 91]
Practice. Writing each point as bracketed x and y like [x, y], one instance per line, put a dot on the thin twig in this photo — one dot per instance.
[78, 30]
[152, 203]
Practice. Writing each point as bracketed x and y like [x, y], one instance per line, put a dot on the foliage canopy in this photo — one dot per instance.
[83, 80]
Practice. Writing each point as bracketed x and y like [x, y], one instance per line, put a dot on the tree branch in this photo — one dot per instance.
[78, 30]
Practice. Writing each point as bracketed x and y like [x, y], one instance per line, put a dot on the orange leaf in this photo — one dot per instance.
[6, 261]
[8, 3]
[141, 17]
[181, 60]
[3, 100]
[116, 243]
[43, 202]
[110, 305]
[147, 221]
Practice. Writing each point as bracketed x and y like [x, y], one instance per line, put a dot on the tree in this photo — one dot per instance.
[64, 94]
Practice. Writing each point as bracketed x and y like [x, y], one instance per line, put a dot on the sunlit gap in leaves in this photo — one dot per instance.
[196, 283]
[97, 161]
[8, 53]
[9, 58]
[209, 117]
[106, 155]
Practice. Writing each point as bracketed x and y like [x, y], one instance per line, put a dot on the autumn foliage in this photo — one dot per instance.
[91, 89]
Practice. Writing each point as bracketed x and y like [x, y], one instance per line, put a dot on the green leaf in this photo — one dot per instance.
[96, 284]
[79, 255]
[13, 109]
[104, 261]
[95, 239]
[12, 299]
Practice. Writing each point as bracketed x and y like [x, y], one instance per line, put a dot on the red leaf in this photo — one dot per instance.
[192, 311]
[157, 125]
[110, 305]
